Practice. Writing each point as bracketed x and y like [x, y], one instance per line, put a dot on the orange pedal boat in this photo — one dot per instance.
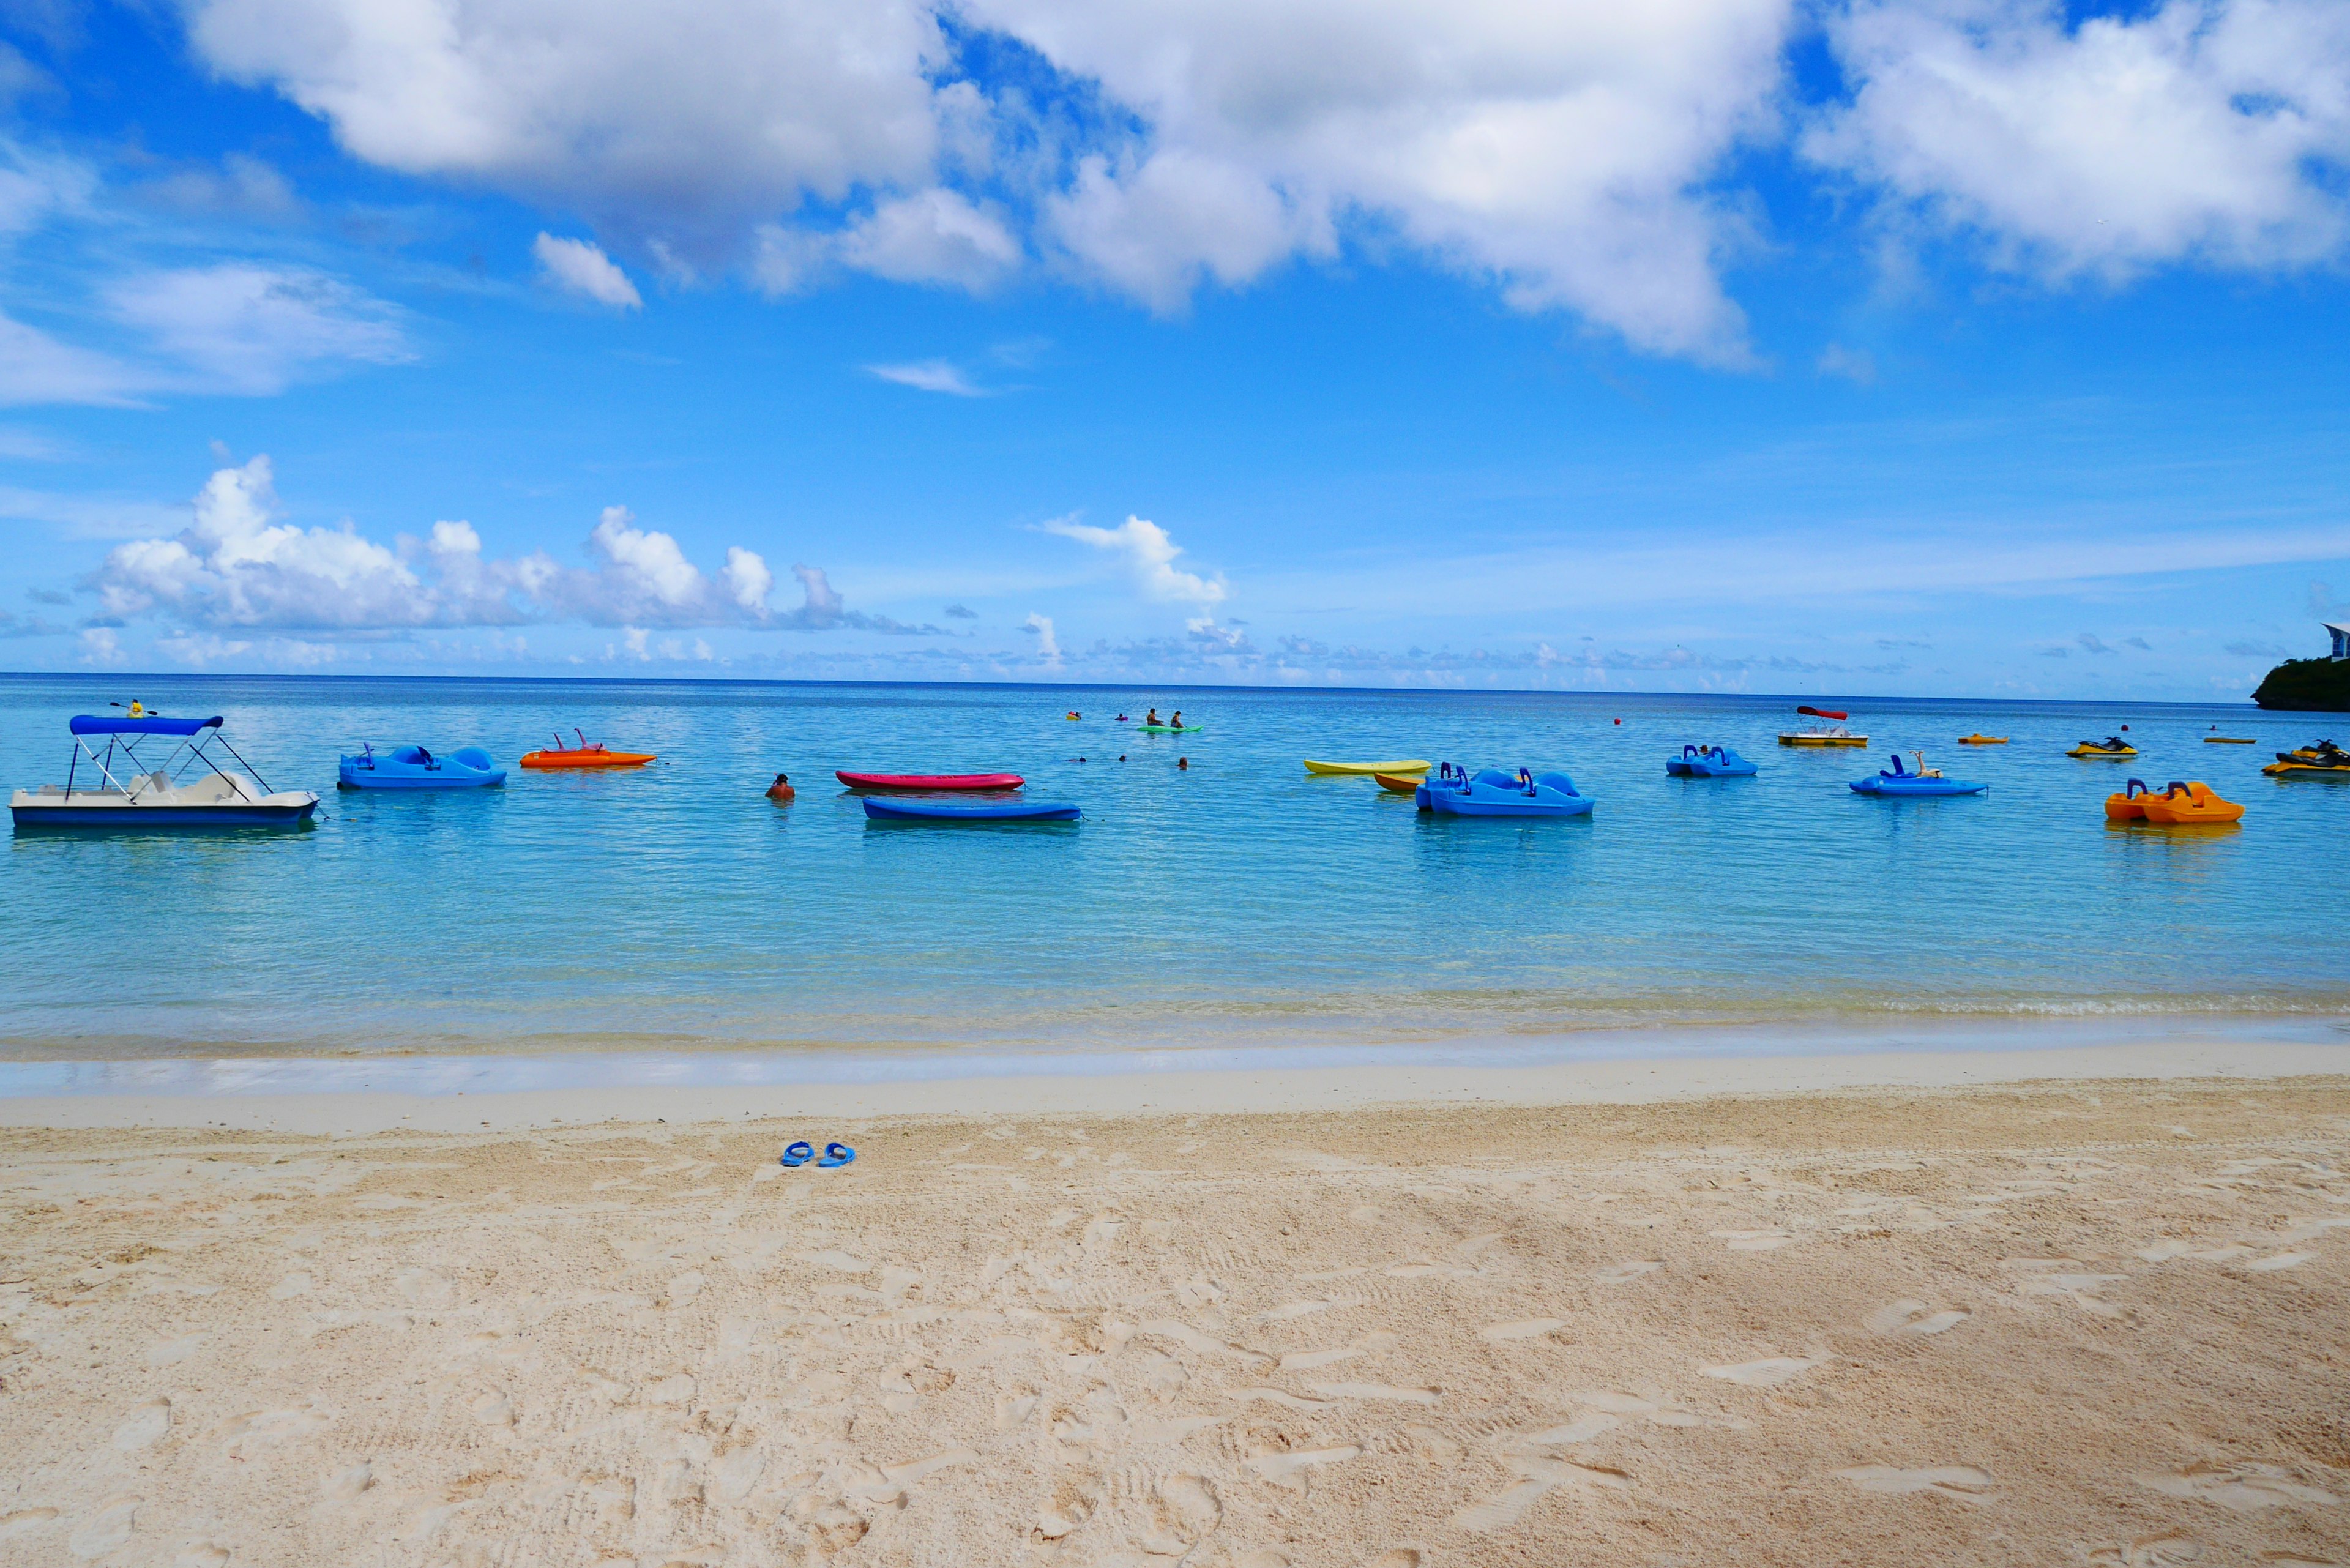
[586, 754]
[2189, 803]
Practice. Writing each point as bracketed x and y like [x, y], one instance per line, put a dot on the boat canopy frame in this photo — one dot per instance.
[122, 734]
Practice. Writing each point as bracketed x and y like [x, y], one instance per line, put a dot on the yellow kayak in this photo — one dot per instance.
[1983, 740]
[1412, 766]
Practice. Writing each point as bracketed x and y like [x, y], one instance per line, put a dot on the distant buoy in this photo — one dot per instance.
[782, 788]
[1619, 721]
[2125, 726]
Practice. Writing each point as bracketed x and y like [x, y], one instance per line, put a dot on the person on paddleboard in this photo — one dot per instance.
[1152, 717]
[1176, 721]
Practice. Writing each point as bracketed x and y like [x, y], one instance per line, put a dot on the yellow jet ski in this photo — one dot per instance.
[2111, 746]
[2324, 757]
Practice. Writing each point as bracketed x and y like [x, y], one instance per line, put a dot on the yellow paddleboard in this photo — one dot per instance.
[1414, 766]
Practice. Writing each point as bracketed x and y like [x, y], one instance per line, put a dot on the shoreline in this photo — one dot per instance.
[424, 1094]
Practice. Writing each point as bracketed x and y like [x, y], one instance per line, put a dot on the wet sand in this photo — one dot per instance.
[2095, 1321]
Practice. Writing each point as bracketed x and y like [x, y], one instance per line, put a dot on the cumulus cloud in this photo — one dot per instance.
[1048, 647]
[239, 565]
[686, 123]
[582, 268]
[1150, 557]
[2196, 128]
[960, 612]
[102, 649]
[1579, 156]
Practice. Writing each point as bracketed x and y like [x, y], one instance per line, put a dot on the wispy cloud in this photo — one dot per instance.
[580, 267]
[930, 375]
[1150, 556]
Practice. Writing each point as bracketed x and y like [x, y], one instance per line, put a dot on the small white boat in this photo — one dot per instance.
[117, 789]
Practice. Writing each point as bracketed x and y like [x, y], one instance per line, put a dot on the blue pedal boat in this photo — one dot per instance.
[414, 767]
[1492, 792]
[879, 809]
[1709, 763]
[1920, 781]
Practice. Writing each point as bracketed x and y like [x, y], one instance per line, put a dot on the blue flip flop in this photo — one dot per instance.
[836, 1154]
[799, 1153]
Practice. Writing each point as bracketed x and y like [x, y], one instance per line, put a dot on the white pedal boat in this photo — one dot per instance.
[116, 789]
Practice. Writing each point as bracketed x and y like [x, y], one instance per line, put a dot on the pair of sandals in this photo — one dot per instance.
[835, 1155]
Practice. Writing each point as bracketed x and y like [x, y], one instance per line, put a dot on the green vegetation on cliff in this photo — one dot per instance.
[2307, 686]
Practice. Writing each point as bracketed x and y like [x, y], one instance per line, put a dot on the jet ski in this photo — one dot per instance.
[2319, 757]
[2111, 746]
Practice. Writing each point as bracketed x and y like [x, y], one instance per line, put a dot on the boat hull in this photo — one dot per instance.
[931, 781]
[548, 761]
[1824, 740]
[358, 778]
[1408, 766]
[1921, 789]
[142, 817]
[876, 810]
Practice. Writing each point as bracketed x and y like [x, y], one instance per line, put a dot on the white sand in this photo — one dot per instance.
[2095, 1323]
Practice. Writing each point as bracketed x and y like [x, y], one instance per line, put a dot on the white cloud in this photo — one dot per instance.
[687, 123]
[747, 579]
[1560, 150]
[239, 565]
[2198, 128]
[1855, 365]
[584, 269]
[101, 647]
[250, 329]
[930, 376]
[1049, 647]
[932, 236]
[36, 367]
[1149, 556]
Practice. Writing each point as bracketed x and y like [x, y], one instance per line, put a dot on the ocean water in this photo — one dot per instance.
[1236, 903]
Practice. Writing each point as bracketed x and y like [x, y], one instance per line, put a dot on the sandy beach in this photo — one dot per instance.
[2091, 1321]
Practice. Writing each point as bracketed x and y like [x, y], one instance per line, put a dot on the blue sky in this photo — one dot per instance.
[1949, 346]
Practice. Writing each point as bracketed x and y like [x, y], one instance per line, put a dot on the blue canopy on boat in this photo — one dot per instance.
[99, 724]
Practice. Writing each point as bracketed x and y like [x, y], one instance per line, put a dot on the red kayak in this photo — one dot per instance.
[931, 781]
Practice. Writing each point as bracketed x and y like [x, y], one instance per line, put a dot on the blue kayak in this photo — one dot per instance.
[1492, 792]
[414, 767]
[877, 809]
[1709, 763]
[1904, 781]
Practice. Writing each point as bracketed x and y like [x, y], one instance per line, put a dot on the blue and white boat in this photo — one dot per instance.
[1920, 780]
[1709, 763]
[116, 788]
[414, 767]
[1492, 792]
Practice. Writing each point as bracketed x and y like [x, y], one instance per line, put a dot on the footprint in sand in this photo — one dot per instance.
[23, 1521]
[145, 1425]
[1657, 1412]
[1532, 1328]
[1288, 1467]
[2166, 1551]
[1945, 1480]
[1370, 1344]
[425, 1287]
[1535, 1477]
[1754, 1241]
[203, 1554]
[1619, 1273]
[1184, 1512]
[265, 1426]
[1385, 1391]
[2241, 1487]
[1911, 1316]
[1401, 1557]
[106, 1530]
[1769, 1372]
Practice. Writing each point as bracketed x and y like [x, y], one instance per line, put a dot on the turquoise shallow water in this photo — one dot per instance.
[1239, 902]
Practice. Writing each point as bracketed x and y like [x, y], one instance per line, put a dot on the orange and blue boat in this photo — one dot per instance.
[586, 754]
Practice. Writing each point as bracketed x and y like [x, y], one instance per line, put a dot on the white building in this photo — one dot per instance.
[2341, 640]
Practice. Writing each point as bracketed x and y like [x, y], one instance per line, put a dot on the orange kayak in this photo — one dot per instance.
[1398, 785]
[595, 756]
